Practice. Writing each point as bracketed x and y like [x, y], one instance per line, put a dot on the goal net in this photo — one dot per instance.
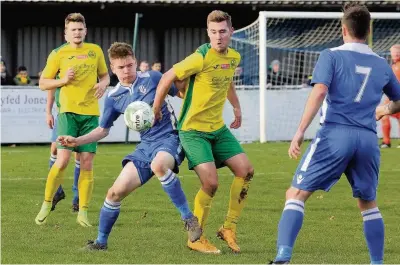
[279, 52]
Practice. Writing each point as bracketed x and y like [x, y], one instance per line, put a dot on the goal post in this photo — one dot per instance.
[291, 42]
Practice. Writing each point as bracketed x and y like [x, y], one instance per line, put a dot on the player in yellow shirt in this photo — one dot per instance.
[207, 142]
[78, 66]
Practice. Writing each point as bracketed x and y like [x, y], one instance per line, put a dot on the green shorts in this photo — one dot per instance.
[203, 147]
[76, 125]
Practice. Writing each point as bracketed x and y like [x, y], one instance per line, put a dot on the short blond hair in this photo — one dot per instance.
[75, 17]
[120, 50]
[395, 47]
[219, 16]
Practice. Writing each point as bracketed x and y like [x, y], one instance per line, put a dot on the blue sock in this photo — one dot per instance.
[172, 186]
[288, 229]
[52, 160]
[77, 171]
[374, 232]
[108, 215]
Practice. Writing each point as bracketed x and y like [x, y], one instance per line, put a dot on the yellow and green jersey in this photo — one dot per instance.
[88, 63]
[210, 75]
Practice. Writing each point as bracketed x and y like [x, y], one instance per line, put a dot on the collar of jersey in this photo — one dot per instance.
[355, 47]
[130, 88]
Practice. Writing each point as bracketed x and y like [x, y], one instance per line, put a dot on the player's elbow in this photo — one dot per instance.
[169, 76]
[320, 90]
[104, 132]
[42, 85]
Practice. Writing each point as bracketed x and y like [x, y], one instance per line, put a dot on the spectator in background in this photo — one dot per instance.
[275, 77]
[156, 66]
[5, 77]
[22, 78]
[238, 76]
[144, 66]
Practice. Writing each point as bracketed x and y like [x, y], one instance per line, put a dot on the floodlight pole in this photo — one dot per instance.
[135, 35]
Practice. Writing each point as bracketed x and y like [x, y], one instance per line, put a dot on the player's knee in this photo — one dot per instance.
[210, 186]
[113, 195]
[250, 173]
[62, 161]
[159, 168]
[385, 120]
[365, 205]
[53, 149]
[86, 162]
[297, 194]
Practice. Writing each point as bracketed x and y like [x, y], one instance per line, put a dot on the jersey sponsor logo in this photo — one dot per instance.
[216, 66]
[225, 66]
[70, 58]
[92, 54]
[221, 80]
[82, 56]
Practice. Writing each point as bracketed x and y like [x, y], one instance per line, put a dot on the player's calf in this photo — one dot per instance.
[161, 166]
[290, 223]
[374, 230]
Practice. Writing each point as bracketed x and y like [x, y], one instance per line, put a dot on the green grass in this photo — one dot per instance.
[149, 229]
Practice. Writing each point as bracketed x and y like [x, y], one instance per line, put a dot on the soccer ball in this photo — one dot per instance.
[139, 116]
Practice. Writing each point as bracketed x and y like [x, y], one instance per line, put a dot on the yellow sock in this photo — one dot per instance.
[202, 206]
[85, 188]
[238, 197]
[54, 180]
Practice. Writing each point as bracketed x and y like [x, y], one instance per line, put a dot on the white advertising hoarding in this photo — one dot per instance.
[23, 116]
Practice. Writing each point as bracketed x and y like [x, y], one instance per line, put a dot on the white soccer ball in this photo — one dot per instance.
[139, 116]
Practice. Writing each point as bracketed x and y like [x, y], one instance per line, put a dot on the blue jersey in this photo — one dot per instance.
[356, 77]
[143, 89]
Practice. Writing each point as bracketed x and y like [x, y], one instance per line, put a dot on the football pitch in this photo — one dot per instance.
[149, 229]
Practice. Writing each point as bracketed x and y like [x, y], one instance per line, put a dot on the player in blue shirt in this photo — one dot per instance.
[159, 152]
[352, 78]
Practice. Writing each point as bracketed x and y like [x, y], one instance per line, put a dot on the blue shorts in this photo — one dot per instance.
[54, 131]
[339, 149]
[146, 151]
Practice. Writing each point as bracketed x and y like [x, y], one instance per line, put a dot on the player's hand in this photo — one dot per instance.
[294, 149]
[100, 89]
[238, 118]
[157, 115]
[50, 120]
[69, 76]
[67, 141]
[381, 111]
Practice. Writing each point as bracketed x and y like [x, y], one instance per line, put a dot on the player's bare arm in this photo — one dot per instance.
[181, 86]
[94, 136]
[314, 102]
[52, 83]
[49, 108]
[234, 100]
[162, 90]
[391, 108]
[101, 86]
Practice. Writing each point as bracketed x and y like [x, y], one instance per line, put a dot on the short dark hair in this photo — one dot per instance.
[22, 68]
[156, 61]
[357, 19]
